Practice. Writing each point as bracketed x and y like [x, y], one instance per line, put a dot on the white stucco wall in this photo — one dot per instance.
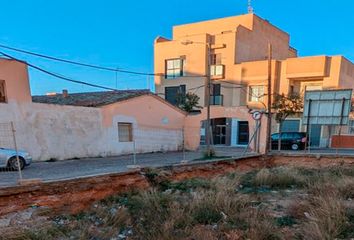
[65, 132]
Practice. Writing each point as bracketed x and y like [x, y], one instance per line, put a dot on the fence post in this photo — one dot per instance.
[16, 149]
[134, 152]
[183, 146]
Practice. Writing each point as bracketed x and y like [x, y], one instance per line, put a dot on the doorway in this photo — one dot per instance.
[315, 135]
[220, 135]
[219, 131]
[243, 133]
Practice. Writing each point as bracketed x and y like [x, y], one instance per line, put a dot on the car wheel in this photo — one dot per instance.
[13, 164]
[295, 147]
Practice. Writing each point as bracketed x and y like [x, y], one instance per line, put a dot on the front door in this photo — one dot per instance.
[243, 133]
[220, 135]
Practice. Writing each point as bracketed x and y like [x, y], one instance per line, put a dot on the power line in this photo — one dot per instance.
[77, 63]
[59, 76]
[90, 65]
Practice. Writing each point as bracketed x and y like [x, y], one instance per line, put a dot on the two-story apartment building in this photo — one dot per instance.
[237, 48]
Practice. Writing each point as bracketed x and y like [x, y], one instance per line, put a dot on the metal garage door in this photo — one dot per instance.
[291, 126]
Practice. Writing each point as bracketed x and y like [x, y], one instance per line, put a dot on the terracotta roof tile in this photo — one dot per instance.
[90, 99]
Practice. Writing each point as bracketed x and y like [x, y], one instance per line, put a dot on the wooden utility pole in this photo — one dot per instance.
[269, 120]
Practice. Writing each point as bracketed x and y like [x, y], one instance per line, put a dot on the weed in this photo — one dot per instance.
[285, 221]
[206, 214]
[325, 218]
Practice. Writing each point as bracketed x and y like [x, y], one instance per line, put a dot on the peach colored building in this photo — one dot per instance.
[239, 72]
[76, 125]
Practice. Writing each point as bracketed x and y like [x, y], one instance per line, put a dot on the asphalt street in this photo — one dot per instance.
[68, 169]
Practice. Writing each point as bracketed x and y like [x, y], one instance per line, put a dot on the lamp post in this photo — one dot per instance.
[207, 95]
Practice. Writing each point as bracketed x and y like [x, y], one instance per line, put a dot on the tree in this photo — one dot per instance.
[188, 102]
[284, 106]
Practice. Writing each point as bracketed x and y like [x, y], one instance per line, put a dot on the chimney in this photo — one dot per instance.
[65, 93]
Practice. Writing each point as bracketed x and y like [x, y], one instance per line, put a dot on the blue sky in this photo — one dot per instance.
[117, 33]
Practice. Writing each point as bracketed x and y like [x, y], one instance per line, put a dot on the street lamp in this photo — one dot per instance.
[208, 87]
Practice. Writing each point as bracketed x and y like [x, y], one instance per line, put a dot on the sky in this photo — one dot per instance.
[120, 34]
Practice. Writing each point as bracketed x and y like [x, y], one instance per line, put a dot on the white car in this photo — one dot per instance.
[8, 159]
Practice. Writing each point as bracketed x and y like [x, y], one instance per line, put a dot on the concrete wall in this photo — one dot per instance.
[15, 75]
[65, 132]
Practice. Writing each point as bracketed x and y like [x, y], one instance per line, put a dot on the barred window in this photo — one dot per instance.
[125, 132]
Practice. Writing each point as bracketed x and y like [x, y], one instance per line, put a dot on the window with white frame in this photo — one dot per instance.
[255, 93]
[174, 68]
[216, 68]
[125, 132]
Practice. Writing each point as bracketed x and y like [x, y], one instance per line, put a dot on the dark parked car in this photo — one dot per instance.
[290, 140]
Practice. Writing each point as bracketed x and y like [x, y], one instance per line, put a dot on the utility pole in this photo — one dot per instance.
[269, 120]
[207, 99]
[207, 91]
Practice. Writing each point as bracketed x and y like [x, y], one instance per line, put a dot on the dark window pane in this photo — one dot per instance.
[172, 94]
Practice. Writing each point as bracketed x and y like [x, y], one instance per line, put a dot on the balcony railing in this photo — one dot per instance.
[217, 100]
[217, 71]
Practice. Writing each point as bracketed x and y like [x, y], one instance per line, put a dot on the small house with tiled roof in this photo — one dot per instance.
[90, 124]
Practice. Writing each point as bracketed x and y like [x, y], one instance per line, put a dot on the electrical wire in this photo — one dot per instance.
[89, 65]
[239, 86]
[58, 75]
[77, 63]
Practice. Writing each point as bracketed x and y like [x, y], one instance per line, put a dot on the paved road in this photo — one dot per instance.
[48, 171]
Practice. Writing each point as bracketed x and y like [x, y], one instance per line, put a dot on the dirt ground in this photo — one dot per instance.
[273, 194]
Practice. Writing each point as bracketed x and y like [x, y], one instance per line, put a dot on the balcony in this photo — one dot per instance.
[217, 71]
[217, 100]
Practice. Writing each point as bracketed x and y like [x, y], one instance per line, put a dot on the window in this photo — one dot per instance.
[215, 97]
[215, 59]
[351, 127]
[174, 68]
[2, 92]
[256, 93]
[275, 136]
[217, 71]
[174, 95]
[216, 68]
[125, 132]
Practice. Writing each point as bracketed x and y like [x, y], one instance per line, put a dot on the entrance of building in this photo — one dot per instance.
[219, 131]
[315, 135]
[243, 133]
[226, 131]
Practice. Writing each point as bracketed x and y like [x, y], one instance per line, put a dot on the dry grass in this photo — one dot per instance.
[323, 213]
[280, 177]
[219, 209]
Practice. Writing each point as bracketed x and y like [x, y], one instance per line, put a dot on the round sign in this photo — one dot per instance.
[257, 115]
